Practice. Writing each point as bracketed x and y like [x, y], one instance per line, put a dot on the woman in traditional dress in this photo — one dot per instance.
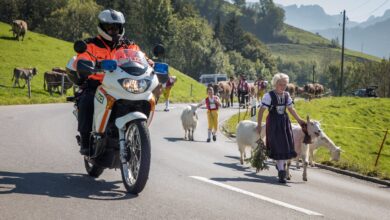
[279, 136]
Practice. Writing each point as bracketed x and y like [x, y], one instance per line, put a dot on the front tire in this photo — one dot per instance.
[93, 170]
[135, 171]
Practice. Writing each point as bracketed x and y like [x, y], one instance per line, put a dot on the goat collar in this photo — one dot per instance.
[307, 139]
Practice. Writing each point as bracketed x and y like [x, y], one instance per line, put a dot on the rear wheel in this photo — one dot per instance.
[93, 170]
[135, 171]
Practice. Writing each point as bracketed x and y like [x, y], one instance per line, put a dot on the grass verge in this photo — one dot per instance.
[357, 125]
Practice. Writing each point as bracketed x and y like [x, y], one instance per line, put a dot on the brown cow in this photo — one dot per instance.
[299, 90]
[291, 88]
[215, 88]
[225, 91]
[53, 80]
[309, 88]
[19, 28]
[319, 89]
[23, 73]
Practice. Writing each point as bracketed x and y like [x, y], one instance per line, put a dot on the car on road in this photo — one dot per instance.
[367, 92]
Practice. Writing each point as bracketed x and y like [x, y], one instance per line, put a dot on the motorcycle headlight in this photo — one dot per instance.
[135, 86]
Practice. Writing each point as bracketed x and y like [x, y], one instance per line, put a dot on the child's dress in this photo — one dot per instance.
[279, 136]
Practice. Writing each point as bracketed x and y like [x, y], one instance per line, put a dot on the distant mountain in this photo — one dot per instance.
[373, 39]
[312, 17]
[371, 36]
[372, 19]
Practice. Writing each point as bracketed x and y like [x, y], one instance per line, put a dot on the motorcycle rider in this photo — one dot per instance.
[109, 40]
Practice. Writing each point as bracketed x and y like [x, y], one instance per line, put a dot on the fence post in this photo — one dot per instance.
[29, 87]
[62, 83]
[380, 150]
[191, 91]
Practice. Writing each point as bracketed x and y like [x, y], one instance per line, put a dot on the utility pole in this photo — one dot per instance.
[342, 57]
[314, 70]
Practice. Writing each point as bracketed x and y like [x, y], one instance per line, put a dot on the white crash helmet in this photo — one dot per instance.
[108, 19]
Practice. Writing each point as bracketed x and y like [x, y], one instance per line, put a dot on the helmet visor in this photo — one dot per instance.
[112, 29]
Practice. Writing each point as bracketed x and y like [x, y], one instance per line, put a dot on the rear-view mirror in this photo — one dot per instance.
[161, 68]
[109, 65]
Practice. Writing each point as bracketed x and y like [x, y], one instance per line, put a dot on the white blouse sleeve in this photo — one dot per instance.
[290, 102]
[266, 101]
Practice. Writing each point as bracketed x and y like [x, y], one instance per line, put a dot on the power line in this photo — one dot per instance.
[354, 9]
[377, 8]
[380, 6]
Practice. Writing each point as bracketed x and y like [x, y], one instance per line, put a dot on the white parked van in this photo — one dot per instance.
[212, 78]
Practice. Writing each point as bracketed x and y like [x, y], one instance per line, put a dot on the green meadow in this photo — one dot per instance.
[357, 125]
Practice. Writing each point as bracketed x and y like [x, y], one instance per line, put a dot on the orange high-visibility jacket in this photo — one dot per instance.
[102, 51]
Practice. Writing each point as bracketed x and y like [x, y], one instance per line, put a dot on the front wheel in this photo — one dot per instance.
[135, 171]
[92, 169]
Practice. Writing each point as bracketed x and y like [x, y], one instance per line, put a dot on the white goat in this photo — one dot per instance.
[246, 136]
[189, 120]
[302, 150]
[324, 140]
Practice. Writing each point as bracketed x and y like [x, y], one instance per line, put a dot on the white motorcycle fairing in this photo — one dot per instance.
[111, 91]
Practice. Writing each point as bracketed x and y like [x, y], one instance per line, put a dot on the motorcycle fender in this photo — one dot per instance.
[122, 121]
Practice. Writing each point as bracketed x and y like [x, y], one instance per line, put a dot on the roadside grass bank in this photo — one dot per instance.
[357, 125]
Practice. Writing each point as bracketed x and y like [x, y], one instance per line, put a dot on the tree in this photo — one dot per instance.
[233, 34]
[218, 29]
[255, 50]
[76, 20]
[240, 3]
[156, 21]
[271, 20]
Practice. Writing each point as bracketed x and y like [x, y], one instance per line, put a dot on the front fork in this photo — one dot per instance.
[122, 151]
[122, 143]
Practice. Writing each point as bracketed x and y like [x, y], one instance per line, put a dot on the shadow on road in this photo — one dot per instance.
[176, 139]
[61, 185]
[255, 177]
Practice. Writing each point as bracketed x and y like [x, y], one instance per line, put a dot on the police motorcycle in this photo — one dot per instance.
[124, 105]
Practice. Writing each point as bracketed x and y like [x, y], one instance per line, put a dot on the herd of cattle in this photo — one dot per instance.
[224, 89]
[52, 79]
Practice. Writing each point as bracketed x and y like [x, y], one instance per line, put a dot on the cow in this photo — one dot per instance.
[318, 88]
[225, 91]
[23, 73]
[19, 29]
[215, 88]
[299, 90]
[291, 88]
[53, 80]
[309, 88]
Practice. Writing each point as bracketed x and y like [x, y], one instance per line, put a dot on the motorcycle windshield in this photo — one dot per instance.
[131, 61]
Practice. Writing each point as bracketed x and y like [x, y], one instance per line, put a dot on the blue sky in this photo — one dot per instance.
[357, 10]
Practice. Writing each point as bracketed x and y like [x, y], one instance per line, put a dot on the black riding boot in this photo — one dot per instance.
[282, 176]
[84, 143]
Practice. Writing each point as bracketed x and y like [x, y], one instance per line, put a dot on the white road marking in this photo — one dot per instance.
[264, 198]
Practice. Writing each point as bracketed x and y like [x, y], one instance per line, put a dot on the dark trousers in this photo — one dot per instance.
[243, 97]
[85, 113]
[231, 98]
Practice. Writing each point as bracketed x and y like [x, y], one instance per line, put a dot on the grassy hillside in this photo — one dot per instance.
[307, 46]
[300, 36]
[357, 125]
[44, 53]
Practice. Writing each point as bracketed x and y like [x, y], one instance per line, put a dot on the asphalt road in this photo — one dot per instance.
[42, 176]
